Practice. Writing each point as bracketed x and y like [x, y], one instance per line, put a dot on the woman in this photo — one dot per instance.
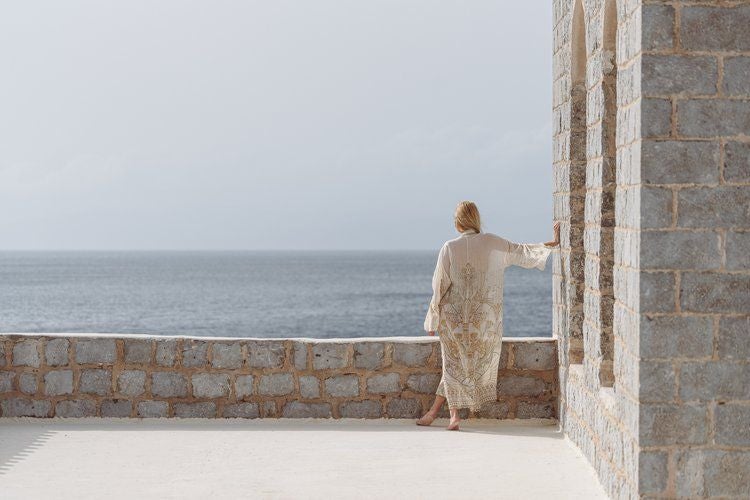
[467, 310]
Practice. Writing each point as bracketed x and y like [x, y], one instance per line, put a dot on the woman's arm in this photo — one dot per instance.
[441, 281]
[556, 232]
[532, 255]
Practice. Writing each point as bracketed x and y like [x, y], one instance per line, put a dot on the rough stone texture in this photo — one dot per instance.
[241, 410]
[361, 409]
[423, 383]
[296, 409]
[309, 387]
[58, 382]
[243, 386]
[330, 356]
[194, 354]
[96, 382]
[195, 410]
[27, 383]
[119, 408]
[342, 386]
[276, 384]
[152, 409]
[18, 407]
[535, 410]
[166, 352]
[75, 408]
[737, 76]
[138, 351]
[709, 28]
[100, 351]
[404, 408]
[131, 382]
[411, 354]
[210, 385]
[384, 383]
[677, 162]
[300, 356]
[227, 355]
[678, 74]
[6, 381]
[56, 352]
[26, 353]
[268, 354]
[168, 385]
[535, 356]
[712, 473]
[516, 385]
[737, 162]
[680, 250]
[370, 355]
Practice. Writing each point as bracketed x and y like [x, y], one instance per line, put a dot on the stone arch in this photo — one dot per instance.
[608, 183]
[577, 183]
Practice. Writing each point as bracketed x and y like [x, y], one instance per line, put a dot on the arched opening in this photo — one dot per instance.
[608, 183]
[577, 184]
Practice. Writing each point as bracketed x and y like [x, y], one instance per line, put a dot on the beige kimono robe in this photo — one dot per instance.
[467, 312]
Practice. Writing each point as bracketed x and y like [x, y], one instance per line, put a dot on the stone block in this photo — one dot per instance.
[195, 410]
[656, 117]
[714, 292]
[667, 337]
[737, 162]
[677, 74]
[723, 206]
[19, 407]
[535, 410]
[713, 117]
[384, 383]
[737, 76]
[518, 385]
[652, 472]
[734, 338]
[410, 354]
[342, 386]
[738, 251]
[369, 355]
[665, 425]
[75, 408]
[425, 383]
[137, 351]
[535, 356]
[101, 351]
[269, 409]
[679, 162]
[656, 207]
[226, 355]
[680, 250]
[119, 408]
[495, 410]
[712, 474]
[657, 292]
[210, 385]
[96, 382]
[361, 409]
[194, 353]
[6, 381]
[26, 353]
[2, 354]
[166, 352]
[658, 27]
[58, 382]
[330, 356]
[309, 387]
[657, 382]
[404, 408]
[715, 28]
[27, 383]
[266, 354]
[131, 382]
[168, 385]
[300, 355]
[297, 409]
[276, 384]
[714, 380]
[152, 409]
[733, 425]
[241, 410]
[56, 352]
[243, 386]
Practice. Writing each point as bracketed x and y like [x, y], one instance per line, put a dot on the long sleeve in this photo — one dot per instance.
[528, 255]
[441, 281]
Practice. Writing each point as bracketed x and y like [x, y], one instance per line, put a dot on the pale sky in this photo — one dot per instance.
[276, 124]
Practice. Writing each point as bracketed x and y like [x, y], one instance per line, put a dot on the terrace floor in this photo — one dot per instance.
[112, 458]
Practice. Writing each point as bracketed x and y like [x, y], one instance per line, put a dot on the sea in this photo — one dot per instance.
[319, 294]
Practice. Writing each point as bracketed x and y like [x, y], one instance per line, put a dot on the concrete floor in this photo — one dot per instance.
[362, 459]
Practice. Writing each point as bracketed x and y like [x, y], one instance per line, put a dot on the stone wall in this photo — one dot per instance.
[671, 419]
[64, 375]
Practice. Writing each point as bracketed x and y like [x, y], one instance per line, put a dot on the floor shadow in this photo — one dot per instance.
[18, 442]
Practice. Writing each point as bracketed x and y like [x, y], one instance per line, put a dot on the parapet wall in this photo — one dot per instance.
[79, 375]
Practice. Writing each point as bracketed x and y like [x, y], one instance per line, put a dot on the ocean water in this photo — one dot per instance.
[238, 294]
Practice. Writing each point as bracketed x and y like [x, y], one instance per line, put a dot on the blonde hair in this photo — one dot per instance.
[467, 217]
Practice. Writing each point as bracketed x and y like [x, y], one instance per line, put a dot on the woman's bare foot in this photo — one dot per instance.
[453, 424]
[426, 420]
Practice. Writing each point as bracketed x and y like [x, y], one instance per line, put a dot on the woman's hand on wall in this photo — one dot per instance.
[556, 232]
[431, 334]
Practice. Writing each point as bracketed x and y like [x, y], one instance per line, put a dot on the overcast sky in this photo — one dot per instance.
[283, 124]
